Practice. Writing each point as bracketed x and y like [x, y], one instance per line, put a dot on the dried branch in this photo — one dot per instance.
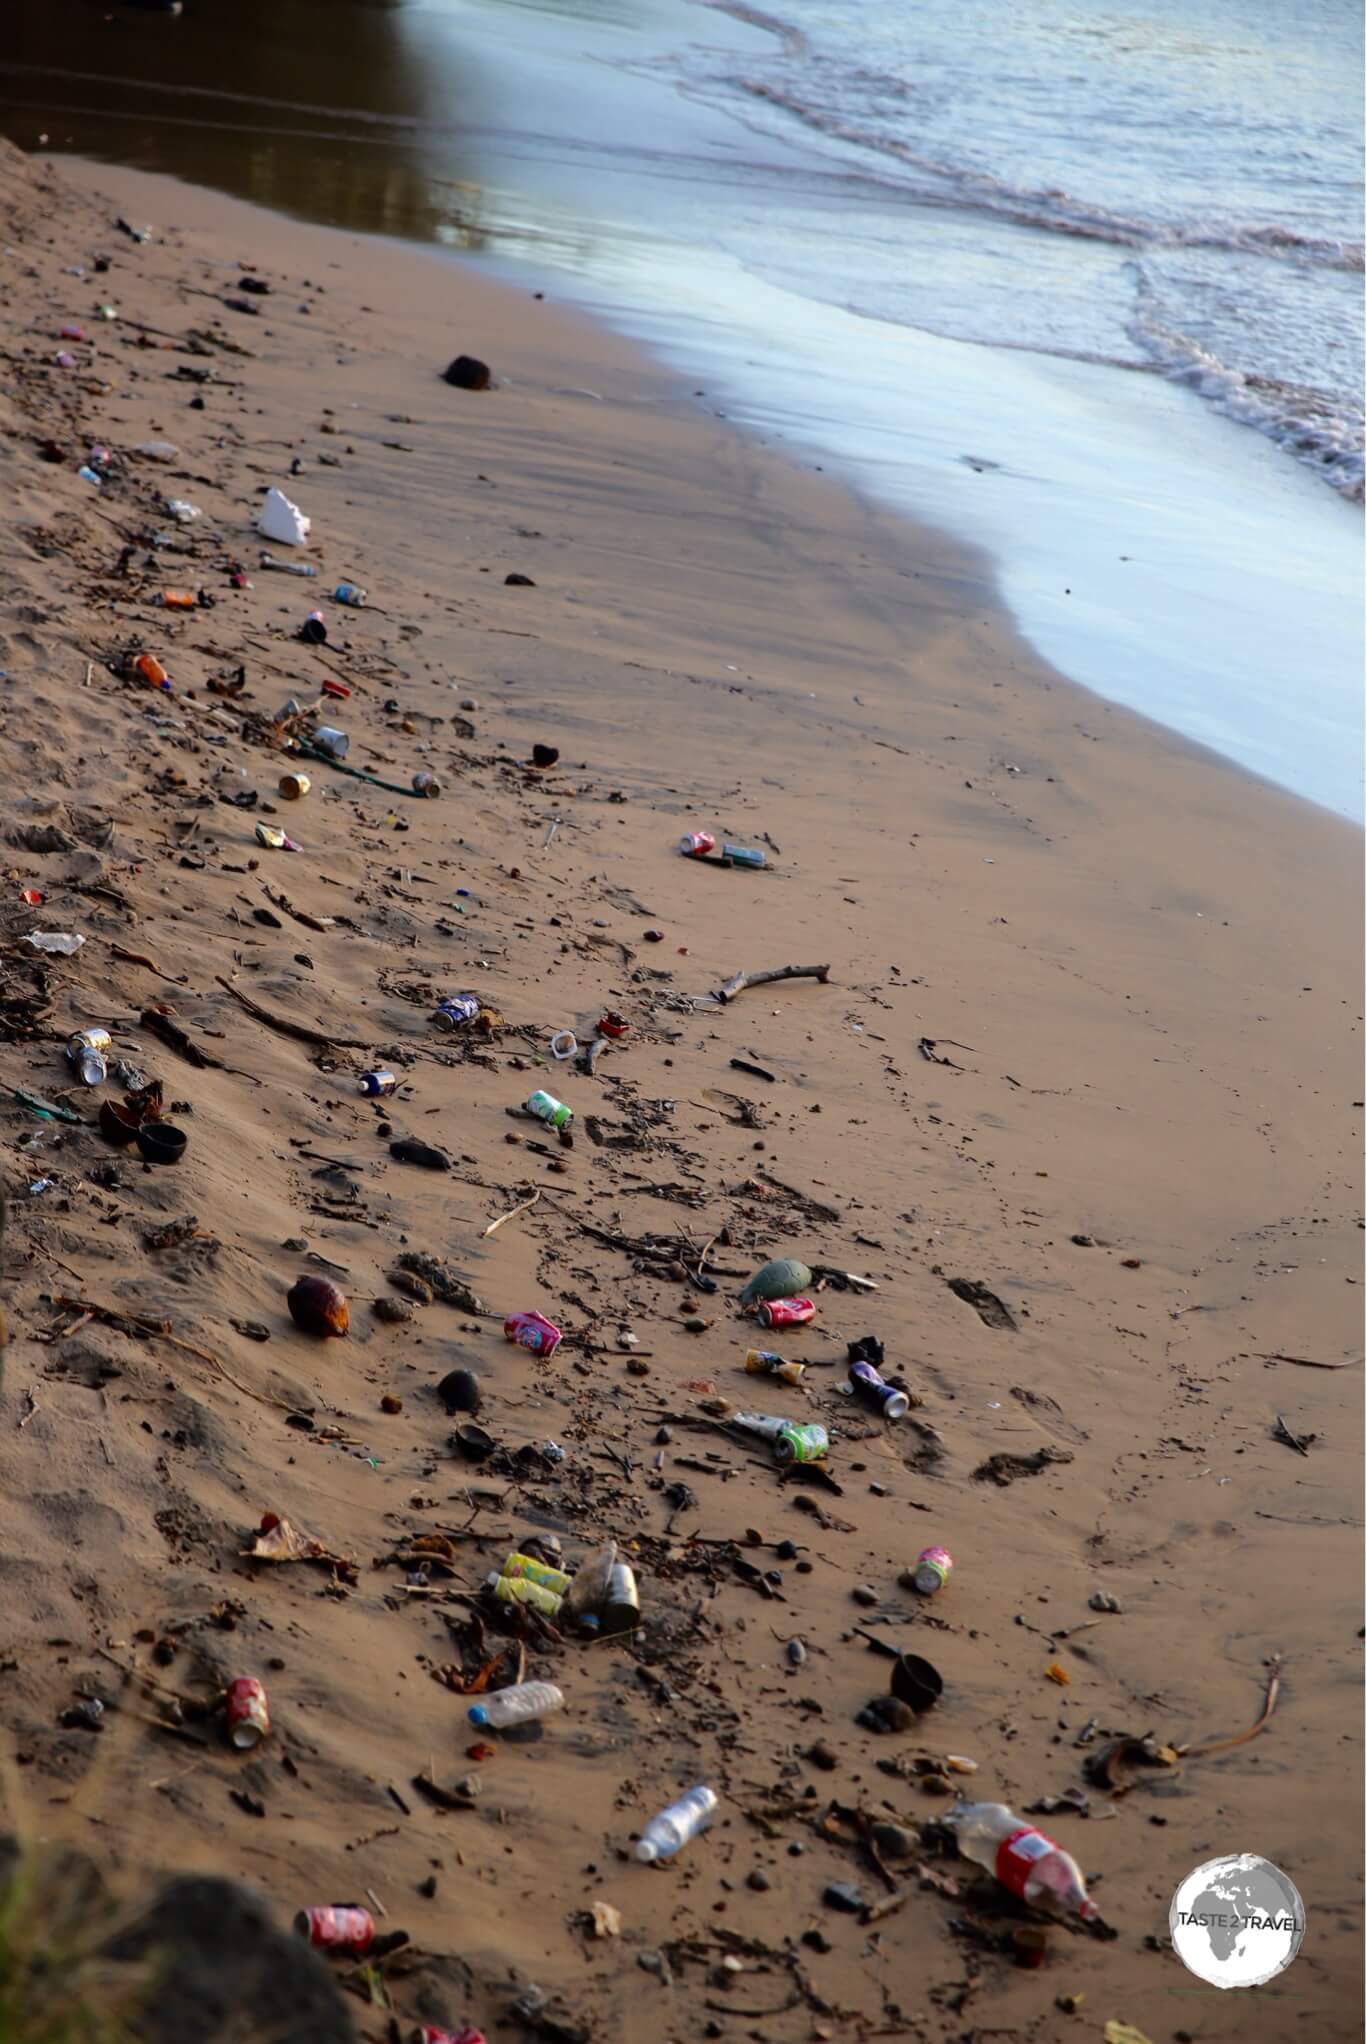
[281, 1024]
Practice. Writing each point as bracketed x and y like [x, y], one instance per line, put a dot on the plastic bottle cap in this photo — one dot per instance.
[478, 1714]
[646, 1849]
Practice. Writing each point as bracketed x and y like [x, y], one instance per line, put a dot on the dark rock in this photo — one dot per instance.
[395, 1311]
[409, 1150]
[757, 1879]
[459, 1391]
[467, 372]
[816, 1941]
[845, 1895]
[823, 1756]
[515, 581]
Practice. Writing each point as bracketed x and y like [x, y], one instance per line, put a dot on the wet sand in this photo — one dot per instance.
[1142, 966]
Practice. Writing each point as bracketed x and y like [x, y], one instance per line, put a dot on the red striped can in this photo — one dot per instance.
[336, 1927]
[786, 1312]
[248, 1713]
[697, 844]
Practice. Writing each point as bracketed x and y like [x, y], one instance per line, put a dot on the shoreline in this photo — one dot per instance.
[712, 634]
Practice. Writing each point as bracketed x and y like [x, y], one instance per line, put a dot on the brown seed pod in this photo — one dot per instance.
[318, 1306]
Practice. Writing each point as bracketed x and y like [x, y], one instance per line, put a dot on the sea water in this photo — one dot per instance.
[1082, 284]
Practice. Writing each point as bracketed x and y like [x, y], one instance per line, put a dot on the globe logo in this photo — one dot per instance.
[1237, 1922]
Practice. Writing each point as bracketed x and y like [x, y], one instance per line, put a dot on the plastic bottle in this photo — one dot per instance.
[592, 1579]
[148, 668]
[1024, 1861]
[667, 1833]
[742, 855]
[517, 1705]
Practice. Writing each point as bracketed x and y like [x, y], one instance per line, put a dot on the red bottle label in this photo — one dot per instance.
[1016, 1857]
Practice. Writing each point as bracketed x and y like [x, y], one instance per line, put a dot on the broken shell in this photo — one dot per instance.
[459, 1391]
[784, 1278]
[318, 1306]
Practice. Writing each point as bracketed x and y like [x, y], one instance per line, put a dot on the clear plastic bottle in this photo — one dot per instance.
[1024, 1861]
[517, 1705]
[667, 1833]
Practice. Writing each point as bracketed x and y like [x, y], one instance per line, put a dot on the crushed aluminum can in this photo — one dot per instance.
[247, 1712]
[337, 1927]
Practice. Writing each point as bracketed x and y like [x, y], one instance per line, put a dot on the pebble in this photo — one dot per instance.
[663, 1437]
[757, 1879]
[864, 1595]
[823, 1756]
[893, 1841]
[395, 1311]
[796, 1653]
[1101, 1600]
[846, 1895]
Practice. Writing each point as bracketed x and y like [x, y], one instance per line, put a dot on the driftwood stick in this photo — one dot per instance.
[1273, 1690]
[740, 980]
[298, 1030]
[591, 1052]
[510, 1215]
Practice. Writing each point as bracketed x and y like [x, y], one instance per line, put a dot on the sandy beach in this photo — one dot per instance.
[1088, 1039]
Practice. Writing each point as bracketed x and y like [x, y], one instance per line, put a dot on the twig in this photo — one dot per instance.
[888, 1906]
[114, 1316]
[1273, 1690]
[310, 922]
[510, 1215]
[141, 958]
[1281, 1432]
[32, 1396]
[740, 980]
[298, 1030]
[1306, 1362]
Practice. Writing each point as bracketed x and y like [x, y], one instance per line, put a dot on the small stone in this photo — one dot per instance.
[427, 1887]
[1101, 1600]
[394, 1311]
[816, 1941]
[786, 1550]
[663, 1437]
[893, 1841]
[695, 1324]
[823, 1756]
[796, 1653]
[864, 1595]
[757, 1879]
[467, 372]
[845, 1895]
[390, 1404]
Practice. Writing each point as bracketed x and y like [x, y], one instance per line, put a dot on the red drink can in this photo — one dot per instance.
[427, 2033]
[336, 1927]
[786, 1312]
[533, 1331]
[248, 1713]
[697, 844]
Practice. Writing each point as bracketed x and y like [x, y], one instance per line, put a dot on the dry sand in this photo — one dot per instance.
[1143, 966]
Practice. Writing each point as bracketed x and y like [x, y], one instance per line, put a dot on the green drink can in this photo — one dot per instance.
[809, 1443]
